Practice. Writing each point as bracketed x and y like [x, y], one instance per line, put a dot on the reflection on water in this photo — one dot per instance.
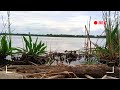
[59, 44]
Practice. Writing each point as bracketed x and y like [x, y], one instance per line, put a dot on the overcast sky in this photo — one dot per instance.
[53, 22]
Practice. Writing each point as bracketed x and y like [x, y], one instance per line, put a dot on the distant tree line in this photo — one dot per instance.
[56, 35]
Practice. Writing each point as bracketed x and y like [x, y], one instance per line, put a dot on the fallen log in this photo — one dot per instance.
[96, 70]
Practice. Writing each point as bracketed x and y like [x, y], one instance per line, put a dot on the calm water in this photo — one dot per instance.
[59, 44]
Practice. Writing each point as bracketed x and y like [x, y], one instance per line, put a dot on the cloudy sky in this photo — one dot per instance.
[53, 22]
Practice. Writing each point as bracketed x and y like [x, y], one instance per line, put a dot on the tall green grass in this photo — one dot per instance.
[111, 49]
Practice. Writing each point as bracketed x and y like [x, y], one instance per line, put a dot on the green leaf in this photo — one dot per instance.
[39, 45]
[33, 48]
[4, 44]
[42, 50]
[10, 50]
[27, 45]
[36, 41]
[30, 41]
[19, 50]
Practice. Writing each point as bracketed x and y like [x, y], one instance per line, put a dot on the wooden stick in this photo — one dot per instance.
[75, 78]
[104, 77]
[43, 76]
[109, 77]
[56, 77]
[89, 77]
[90, 47]
[32, 63]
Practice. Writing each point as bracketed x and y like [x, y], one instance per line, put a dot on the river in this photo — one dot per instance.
[59, 44]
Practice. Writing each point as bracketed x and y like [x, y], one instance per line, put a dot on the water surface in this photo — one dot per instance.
[59, 44]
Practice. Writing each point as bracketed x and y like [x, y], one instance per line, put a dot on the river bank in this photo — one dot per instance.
[60, 71]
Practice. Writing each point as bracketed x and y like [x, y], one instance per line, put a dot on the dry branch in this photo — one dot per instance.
[89, 77]
[56, 77]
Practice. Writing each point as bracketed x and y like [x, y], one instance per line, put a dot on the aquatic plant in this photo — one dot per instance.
[32, 48]
[33, 51]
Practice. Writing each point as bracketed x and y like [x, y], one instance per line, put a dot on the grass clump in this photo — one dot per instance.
[5, 47]
[110, 51]
[32, 51]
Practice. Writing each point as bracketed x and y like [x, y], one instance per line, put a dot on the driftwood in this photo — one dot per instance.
[78, 71]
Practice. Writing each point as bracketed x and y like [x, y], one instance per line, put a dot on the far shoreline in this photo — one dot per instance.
[60, 35]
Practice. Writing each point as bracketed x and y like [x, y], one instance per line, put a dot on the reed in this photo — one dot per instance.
[111, 29]
[111, 50]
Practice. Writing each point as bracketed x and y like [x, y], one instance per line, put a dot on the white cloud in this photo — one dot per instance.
[53, 21]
